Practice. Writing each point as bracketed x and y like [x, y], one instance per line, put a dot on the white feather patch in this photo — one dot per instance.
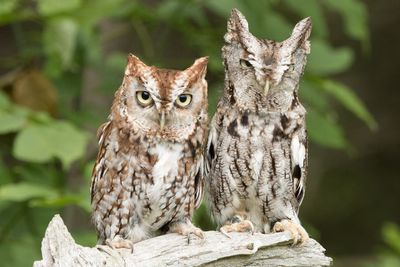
[298, 151]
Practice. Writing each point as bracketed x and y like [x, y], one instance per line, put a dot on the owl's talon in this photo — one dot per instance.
[297, 231]
[241, 226]
[223, 231]
[186, 228]
[119, 242]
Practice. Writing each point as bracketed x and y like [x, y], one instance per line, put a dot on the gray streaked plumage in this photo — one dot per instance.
[257, 149]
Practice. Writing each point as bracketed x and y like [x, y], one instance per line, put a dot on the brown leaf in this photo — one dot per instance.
[33, 90]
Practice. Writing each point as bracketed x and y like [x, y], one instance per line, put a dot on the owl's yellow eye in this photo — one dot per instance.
[144, 98]
[183, 100]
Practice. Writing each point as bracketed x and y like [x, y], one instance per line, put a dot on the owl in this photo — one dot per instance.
[148, 176]
[256, 159]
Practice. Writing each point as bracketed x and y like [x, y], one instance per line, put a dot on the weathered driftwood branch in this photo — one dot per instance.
[60, 249]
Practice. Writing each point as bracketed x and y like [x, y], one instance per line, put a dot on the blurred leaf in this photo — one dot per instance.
[273, 26]
[202, 219]
[25, 191]
[32, 144]
[350, 100]
[20, 251]
[87, 238]
[43, 142]
[224, 7]
[7, 6]
[355, 17]
[41, 117]
[59, 39]
[11, 122]
[391, 236]
[51, 7]
[70, 142]
[34, 90]
[5, 174]
[325, 131]
[60, 201]
[311, 8]
[4, 101]
[116, 61]
[313, 95]
[325, 60]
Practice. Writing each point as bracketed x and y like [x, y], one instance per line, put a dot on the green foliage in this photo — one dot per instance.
[45, 166]
[43, 142]
[389, 256]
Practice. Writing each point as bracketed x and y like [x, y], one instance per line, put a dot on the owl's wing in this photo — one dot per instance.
[199, 184]
[210, 154]
[299, 164]
[98, 169]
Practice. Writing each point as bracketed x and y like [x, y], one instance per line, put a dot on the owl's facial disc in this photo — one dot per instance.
[261, 71]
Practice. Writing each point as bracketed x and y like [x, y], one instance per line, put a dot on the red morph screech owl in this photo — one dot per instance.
[148, 176]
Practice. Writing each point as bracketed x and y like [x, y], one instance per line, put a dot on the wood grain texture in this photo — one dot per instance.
[60, 249]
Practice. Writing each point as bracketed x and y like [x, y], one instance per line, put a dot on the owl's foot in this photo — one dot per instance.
[237, 224]
[118, 242]
[299, 234]
[186, 228]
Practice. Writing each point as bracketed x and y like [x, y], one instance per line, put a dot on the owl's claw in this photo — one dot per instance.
[297, 231]
[119, 242]
[186, 228]
[238, 225]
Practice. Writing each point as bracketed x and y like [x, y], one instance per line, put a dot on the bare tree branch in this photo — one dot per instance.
[60, 249]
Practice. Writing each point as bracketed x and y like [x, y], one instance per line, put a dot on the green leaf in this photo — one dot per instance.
[69, 142]
[224, 7]
[11, 122]
[311, 8]
[41, 143]
[313, 95]
[7, 6]
[272, 26]
[59, 38]
[349, 100]
[391, 236]
[60, 201]
[32, 144]
[25, 191]
[325, 60]
[4, 101]
[323, 130]
[355, 17]
[50, 7]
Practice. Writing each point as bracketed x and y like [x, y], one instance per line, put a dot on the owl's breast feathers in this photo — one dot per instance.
[259, 158]
[161, 180]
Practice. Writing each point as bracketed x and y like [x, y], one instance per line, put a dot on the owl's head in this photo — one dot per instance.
[163, 103]
[260, 73]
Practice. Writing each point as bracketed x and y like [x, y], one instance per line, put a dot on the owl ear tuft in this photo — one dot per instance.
[237, 26]
[299, 37]
[198, 70]
[238, 31]
[135, 66]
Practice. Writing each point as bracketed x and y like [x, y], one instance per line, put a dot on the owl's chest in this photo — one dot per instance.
[247, 145]
[168, 191]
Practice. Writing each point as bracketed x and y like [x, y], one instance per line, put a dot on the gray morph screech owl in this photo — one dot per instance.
[257, 147]
[148, 175]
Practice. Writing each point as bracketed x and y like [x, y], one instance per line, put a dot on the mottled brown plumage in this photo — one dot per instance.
[148, 176]
[257, 150]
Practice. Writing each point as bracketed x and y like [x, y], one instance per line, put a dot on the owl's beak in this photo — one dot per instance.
[162, 120]
[266, 87]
